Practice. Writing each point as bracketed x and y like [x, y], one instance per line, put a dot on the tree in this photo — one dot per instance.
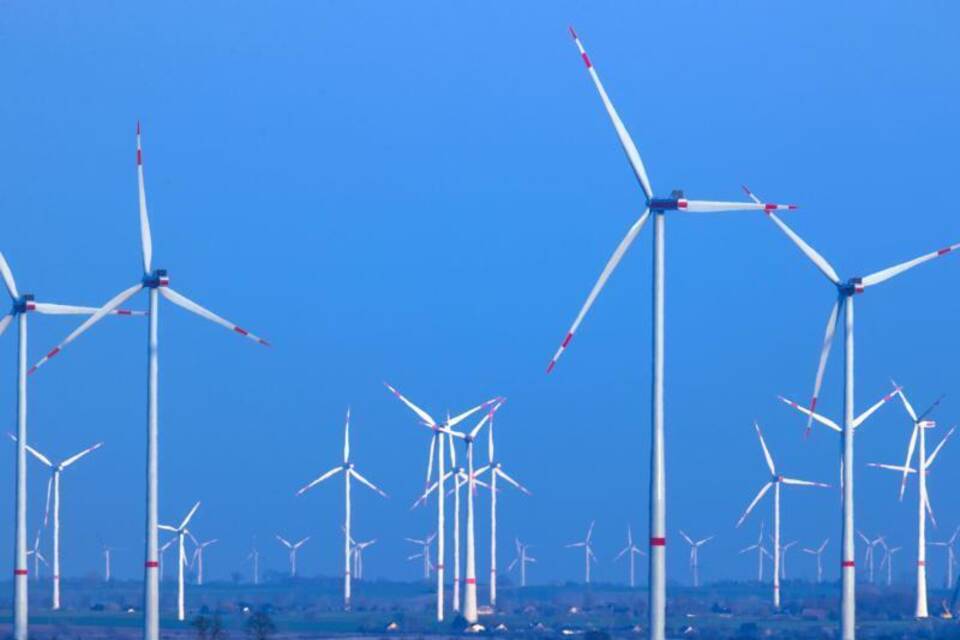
[260, 626]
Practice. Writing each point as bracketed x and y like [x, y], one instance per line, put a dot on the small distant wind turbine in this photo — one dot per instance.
[817, 553]
[587, 552]
[106, 563]
[633, 551]
[358, 549]
[948, 544]
[162, 551]
[53, 489]
[22, 305]
[197, 559]
[37, 557]
[293, 547]
[695, 555]
[888, 561]
[783, 558]
[349, 471]
[182, 533]
[522, 560]
[438, 428]
[776, 479]
[869, 553]
[254, 557]
[424, 553]
[761, 552]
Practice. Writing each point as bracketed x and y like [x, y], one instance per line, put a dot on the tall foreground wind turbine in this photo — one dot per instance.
[292, 548]
[695, 555]
[349, 471]
[157, 283]
[844, 302]
[496, 471]
[776, 479]
[633, 551]
[181, 532]
[658, 206]
[53, 489]
[919, 436]
[22, 305]
[438, 428]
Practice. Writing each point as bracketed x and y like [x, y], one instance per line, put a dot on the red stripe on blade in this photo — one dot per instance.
[566, 340]
[240, 331]
[139, 157]
[943, 251]
[586, 60]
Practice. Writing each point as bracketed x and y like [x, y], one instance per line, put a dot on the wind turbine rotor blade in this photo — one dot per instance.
[906, 464]
[590, 530]
[194, 541]
[766, 452]
[575, 544]
[8, 280]
[167, 527]
[685, 537]
[750, 548]
[103, 311]
[346, 438]
[827, 422]
[188, 304]
[803, 483]
[146, 242]
[890, 272]
[939, 446]
[811, 253]
[46, 509]
[36, 454]
[933, 406]
[284, 541]
[601, 282]
[926, 502]
[869, 412]
[5, 322]
[892, 467]
[186, 520]
[453, 452]
[452, 422]
[503, 474]
[317, 481]
[52, 309]
[359, 477]
[433, 446]
[426, 417]
[490, 456]
[622, 552]
[824, 356]
[760, 495]
[69, 461]
[301, 542]
[713, 206]
[906, 403]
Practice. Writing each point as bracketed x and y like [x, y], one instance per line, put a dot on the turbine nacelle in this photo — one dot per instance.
[851, 287]
[156, 278]
[24, 303]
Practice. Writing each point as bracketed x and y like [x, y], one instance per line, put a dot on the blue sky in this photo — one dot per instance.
[424, 195]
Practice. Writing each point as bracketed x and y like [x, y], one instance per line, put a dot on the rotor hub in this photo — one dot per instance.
[157, 278]
[24, 303]
[851, 287]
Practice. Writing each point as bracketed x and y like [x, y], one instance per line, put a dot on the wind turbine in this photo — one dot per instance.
[888, 561]
[951, 555]
[107, 555]
[255, 558]
[157, 282]
[587, 551]
[358, 549]
[633, 550]
[37, 556]
[293, 547]
[22, 305]
[424, 553]
[53, 488]
[844, 302]
[918, 436]
[761, 551]
[522, 560]
[496, 471]
[198, 549]
[695, 555]
[776, 479]
[437, 428]
[163, 550]
[181, 532]
[783, 558]
[658, 206]
[817, 553]
[869, 553]
[349, 471]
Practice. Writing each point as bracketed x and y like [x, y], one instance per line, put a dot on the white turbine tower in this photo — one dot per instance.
[37, 556]
[437, 428]
[292, 548]
[107, 556]
[53, 490]
[658, 206]
[695, 555]
[818, 552]
[522, 560]
[22, 305]
[588, 555]
[918, 436]
[776, 479]
[349, 471]
[633, 551]
[182, 533]
[845, 292]
[428, 565]
[496, 471]
[157, 283]
[761, 552]
[197, 559]
[948, 545]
